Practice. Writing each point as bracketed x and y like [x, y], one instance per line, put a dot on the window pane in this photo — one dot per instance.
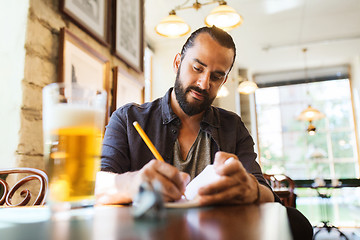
[268, 96]
[286, 147]
[289, 113]
[269, 116]
[345, 170]
[330, 90]
[292, 93]
[319, 170]
[342, 144]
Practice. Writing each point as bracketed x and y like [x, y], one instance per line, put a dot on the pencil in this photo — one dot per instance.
[150, 145]
[147, 141]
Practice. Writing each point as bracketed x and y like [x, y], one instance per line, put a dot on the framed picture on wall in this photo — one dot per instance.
[126, 89]
[93, 16]
[79, 63]
[128, 40]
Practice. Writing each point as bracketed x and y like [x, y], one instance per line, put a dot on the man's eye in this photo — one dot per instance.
[217, 77]
[197, 69]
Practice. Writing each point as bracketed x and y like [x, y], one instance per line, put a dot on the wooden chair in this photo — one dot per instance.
[8, 193]
[284, 187]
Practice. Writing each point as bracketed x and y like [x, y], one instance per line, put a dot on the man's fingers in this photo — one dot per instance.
[234, 189]
[168, 189]
[228, 164]
[171, 179]
[220, 185]
[230, 195]
[221, 157]
[170, 172]
[185, 179]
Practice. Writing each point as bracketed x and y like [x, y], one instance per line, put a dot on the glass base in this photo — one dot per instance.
[67, 210]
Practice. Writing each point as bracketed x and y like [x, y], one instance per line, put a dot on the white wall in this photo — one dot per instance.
[163, 73]
[13, 18]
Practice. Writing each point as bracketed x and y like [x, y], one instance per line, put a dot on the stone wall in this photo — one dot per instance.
[41, 68]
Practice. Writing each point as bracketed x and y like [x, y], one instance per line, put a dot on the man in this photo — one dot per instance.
[188, 132]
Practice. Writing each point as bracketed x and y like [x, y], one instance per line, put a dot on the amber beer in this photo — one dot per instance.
[73, 137]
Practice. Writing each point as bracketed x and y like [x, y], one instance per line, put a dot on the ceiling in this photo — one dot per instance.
[274, 32]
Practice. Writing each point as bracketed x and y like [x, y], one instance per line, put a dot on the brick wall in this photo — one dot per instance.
[41, 68]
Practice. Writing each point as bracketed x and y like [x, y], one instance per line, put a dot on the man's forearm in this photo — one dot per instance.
[114, 188]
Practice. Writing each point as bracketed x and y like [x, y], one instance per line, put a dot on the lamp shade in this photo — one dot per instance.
[172, 26]
[247, 87]
[310, 114]
[224, 17]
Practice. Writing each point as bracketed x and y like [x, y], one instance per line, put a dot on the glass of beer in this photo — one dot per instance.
[73, 123]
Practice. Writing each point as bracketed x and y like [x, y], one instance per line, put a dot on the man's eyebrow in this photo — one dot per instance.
[201, 63]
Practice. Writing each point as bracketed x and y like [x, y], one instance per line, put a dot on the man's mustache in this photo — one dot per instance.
[199, 90]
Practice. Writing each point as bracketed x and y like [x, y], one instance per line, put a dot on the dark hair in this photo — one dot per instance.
[219, 35]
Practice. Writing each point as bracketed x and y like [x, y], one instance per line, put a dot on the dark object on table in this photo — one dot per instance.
[148, 203]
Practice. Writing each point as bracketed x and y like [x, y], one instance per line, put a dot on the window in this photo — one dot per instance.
[284, 145]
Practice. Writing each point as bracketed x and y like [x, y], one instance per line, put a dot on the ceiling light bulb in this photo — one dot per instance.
[223, 92]
[224, 17]
[172, 26]
[311, 129]
[312, 133]
[247, 87]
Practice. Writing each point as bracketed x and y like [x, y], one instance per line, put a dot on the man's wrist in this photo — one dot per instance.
[257, 200]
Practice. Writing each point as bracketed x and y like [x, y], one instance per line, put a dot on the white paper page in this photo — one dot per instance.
[206, 177]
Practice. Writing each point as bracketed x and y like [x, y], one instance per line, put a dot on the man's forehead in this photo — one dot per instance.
[204, 37]
[204, 41]
[204, 47]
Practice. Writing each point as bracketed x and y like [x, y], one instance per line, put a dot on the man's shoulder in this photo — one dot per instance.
[138, 107]
[227, 118]
[229, 121]
[145, 108]
[223, 113]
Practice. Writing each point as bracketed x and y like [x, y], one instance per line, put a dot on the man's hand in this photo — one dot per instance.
[173, 182]
[121, 188]
[235, 186]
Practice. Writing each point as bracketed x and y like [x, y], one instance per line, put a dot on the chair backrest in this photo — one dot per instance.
[8, 193]
[284, 187]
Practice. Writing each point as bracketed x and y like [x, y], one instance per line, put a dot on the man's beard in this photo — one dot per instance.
[191, 108]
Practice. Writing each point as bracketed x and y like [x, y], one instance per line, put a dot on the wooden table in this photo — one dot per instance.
[252, 222]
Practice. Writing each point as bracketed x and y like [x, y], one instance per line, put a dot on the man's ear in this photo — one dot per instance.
[176, 63]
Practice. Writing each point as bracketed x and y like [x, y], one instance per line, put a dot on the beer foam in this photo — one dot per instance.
[72, 115]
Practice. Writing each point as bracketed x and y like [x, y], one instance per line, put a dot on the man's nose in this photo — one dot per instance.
[204, 81]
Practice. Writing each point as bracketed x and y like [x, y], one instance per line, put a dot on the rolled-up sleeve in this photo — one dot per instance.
[115, 148]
